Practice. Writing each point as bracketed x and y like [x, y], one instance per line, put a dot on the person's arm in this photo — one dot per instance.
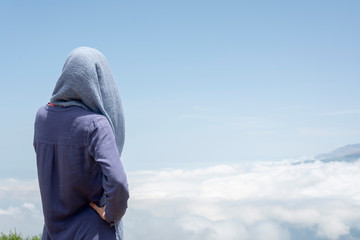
[102, 147]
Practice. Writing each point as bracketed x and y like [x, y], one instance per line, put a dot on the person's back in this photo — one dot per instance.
[78, 162]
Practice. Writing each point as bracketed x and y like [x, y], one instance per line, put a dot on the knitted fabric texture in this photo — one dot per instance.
[87, 81]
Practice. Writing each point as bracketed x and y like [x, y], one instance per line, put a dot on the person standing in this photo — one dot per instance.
[78, 140]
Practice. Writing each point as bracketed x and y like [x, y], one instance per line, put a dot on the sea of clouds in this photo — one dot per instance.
[260, 200]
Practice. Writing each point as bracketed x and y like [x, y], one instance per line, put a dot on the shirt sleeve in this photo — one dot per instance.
[102, 147]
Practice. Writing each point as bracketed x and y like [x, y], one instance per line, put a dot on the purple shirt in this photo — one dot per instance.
[78, 161]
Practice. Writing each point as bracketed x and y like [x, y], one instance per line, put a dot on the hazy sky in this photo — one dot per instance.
[202, 82]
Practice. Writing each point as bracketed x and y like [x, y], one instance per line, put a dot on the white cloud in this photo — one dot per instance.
[269, 231]
[26, 219]
[268, 200]
[19, 190]
[332, 227]
[20, 207]
[253, 200]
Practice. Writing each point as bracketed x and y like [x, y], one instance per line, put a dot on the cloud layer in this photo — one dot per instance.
[262, 200]
[20, 207]
[269, 200]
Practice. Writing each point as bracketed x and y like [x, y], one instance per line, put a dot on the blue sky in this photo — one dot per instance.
[203, 84]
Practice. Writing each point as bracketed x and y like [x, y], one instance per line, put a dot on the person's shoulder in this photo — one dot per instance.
[100, 121]
[41, 109]
[87, 116]
[41, 112]
[90, 118]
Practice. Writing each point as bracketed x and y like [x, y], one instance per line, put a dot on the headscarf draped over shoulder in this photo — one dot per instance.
[87, 81]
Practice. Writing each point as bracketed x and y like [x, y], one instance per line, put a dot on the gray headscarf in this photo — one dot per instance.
[86, 81]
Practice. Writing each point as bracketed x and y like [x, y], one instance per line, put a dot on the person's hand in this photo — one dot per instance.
[99, 210]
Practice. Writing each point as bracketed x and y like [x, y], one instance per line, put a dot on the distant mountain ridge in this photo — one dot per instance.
[347, 153]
